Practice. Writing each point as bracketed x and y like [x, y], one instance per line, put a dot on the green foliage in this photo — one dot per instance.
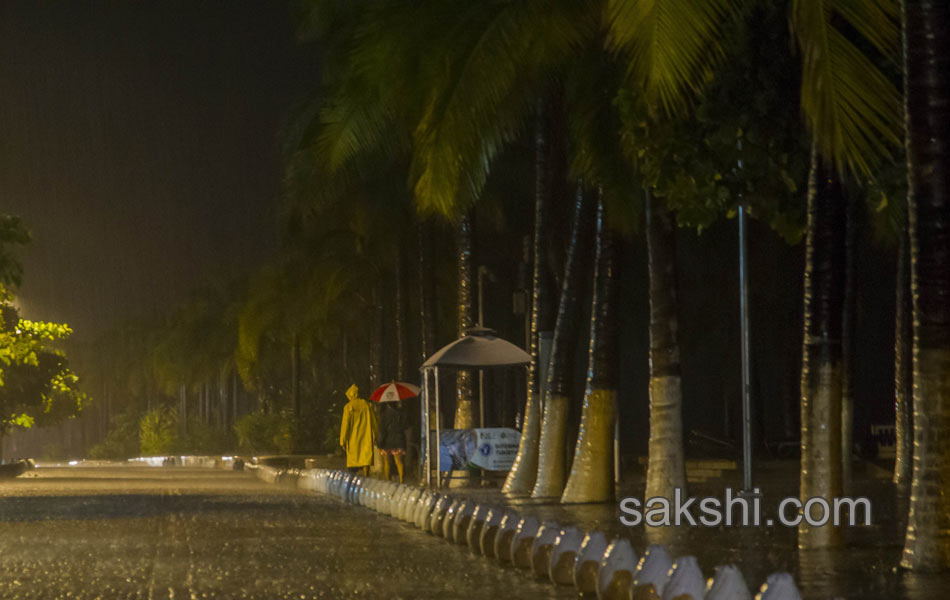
[852, 108]
[122, 441]
[53, 451]
[36, 384]
[158, 431]
[670, 47]
[260, 432]
[12, 234]
[743, 141]
[201, 438]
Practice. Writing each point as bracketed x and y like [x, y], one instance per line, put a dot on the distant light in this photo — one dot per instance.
[74, 462]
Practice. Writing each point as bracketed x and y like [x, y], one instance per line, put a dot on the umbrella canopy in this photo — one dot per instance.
[394, 392]
[479, 348]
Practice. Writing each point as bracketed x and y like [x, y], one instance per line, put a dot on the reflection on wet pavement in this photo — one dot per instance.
[130, 532]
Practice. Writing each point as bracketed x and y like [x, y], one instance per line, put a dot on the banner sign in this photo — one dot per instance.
[490, 448]
[496, 448]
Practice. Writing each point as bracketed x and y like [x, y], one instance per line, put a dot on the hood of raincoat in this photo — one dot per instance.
[353, 392]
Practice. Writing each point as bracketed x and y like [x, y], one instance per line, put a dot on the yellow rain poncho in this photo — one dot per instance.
[358, 430]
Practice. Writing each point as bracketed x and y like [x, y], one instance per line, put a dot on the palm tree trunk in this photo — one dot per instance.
[463, 380]
[551, 458]
[295, 384]
[666, 468]
[591, 478]
[927, 73]
[234, 398]
[399, 318]
[903, 369]
[821, 361]
[847, 347]
[524, 472]
[426, 317]
[376, 340]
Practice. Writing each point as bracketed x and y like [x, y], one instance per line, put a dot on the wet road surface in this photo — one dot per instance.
[139, 532]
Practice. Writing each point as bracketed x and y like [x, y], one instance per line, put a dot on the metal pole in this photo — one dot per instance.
[744, 330]
[616, 445]
[481, 397]
[438, 441]
[427, 435]
[482, 271]
[481, 299]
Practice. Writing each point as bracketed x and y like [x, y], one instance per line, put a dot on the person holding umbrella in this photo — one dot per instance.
[393, 423]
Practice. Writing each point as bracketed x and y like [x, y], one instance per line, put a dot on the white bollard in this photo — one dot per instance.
[541, 548]
[727, 583]
[473, 533]
[561, 565]
[486, 539]
[409, 504]
[652, 573]
[449, 519]
[779, 586]
[685, 581]
[423, 508]
[616, 572]
[462, 520]
[506, 535]
[587, 562]
[522, 541]
[438, 514]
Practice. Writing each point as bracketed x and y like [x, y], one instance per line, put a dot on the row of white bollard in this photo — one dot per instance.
[564, 555]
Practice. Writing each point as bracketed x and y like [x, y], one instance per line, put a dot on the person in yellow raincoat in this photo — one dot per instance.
[358, 431]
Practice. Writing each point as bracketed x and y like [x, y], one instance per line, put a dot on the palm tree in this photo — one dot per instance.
[666, 469]
[926, 51]
[523, 474]
[465, 305]
[557, 393]
[821, 362]
[591, 477]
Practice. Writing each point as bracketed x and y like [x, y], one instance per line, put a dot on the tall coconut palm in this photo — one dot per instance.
[558, 390]
[927, 72]
[591, 478]
[852, 111]
[666, 469]
[523, 474]
[465, 309]
[821, 360]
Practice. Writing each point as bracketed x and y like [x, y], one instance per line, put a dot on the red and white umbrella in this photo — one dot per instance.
[394, 392]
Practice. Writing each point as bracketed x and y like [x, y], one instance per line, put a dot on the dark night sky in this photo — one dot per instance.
[140, 144]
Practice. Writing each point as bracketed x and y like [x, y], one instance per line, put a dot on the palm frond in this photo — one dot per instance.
[596, 153]
[672, 45]
[852, 110]
[487, 78]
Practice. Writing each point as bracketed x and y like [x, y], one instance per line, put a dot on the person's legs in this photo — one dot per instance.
[385, 456]
[398, 458]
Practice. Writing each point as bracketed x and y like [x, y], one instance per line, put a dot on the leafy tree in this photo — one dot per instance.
[158, 431]
[122, 440]
[36, 384]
